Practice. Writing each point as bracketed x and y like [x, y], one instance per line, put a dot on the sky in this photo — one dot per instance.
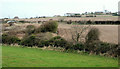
[33, 8]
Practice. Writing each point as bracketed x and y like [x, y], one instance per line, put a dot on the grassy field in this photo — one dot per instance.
[32, 57]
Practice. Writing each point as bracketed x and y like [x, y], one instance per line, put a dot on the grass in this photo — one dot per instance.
[33, 57]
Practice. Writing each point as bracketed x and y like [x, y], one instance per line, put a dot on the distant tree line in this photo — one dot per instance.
[93, 22]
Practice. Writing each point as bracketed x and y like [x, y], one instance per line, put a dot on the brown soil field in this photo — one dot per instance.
[108, 33]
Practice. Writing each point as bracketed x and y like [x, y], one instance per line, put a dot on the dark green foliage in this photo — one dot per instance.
[50, 26]
[22, 21]
[69, 22]
[58, 41]
[92, 35]
[39, 40]
[78, 46]
[114, 50]
[29, 41]
[92, 39]
[35, 41]
[114, 14]
[103, 47]
[7, 39]
[89, 22]
[43, 43]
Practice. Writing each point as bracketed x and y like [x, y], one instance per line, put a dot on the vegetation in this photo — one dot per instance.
[92, 39]
[115, 14]
[43, 37]
[93, 22]
[33, 57]
[29, 41]
[50, 26]
[93, 35]
[22, 21]
[92, 44]
[30, 29]
[57, 41]
[78, 46]
[78, 33]
[7, 39]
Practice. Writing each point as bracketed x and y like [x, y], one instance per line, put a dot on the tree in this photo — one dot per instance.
[93, 35]
[92, 40]
[79, 33]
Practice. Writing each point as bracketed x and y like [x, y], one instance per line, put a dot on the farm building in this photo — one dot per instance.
[56, 16]
[73, 15]
[99, 13]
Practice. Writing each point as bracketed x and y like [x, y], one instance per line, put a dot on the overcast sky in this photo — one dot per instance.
[32, 8]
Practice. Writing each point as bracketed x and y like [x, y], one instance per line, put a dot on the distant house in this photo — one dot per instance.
[16, 17]
[56, 15]
[99, 13]
[73, 15]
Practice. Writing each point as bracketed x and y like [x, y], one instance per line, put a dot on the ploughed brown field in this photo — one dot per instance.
[108, 33]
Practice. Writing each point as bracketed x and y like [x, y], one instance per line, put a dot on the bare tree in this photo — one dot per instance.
[78, 33]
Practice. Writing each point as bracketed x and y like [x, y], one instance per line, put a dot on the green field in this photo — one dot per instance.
[32, 57]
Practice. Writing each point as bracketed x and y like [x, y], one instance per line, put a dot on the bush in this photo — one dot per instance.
[50, 26]
[30, 29]
[29, 41]
[57, 41]
[92, 40]
[114, 50]
[92, 35]
[39, 40]
[78, 46]
[103, 47]
[22, 21]
[43, 43]
[7, 39]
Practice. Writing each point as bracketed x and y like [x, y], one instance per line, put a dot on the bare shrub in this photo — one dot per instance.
[78, 33]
